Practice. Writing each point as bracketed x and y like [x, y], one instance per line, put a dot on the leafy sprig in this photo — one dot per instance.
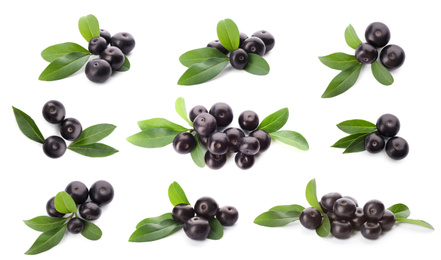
[357, 129]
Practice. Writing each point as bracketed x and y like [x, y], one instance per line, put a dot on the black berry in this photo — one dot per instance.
[351, 198]
[328, 200]
[234, 134]
[97, 45]
[366, 53]
[387, 221]
[239, 59]
[227, 215]
[184, 143]
[218, 45]
[344, 208]
[114, 56]
[197, 228]
[310, 218]
[203, 139]
[54, 146]
[358, 220]
[182, 212]
[54, 112]
[332, 217]
[205, 124]
[242, 37]
[249, 145]
[89, 211]
[267, 38]
[195, 111]
[374, 143]
[98, 70]
[388, 125]
[101, 192]
[341, 229]
[75, 225]
[397, 148]
[214, 161]
[124, 41]
[373, 210]
[206, 207]
[223, 114]
[218, 143]
[248, 120]
[254, 45]
[392, 56]
[78, 191]
[244, 161]
[371, 230]
[264, 139]
[50, 209]
[70, 129]
[377, 34]
[106, 35]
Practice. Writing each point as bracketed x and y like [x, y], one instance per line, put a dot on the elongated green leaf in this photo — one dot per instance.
[64, 203]
[47, 240]
[415, 221]
[65, 66]
[125, 66]
[198, 153]
[27, 126]
[202, 72]
[228, 34]
[94, 134]
[152, 232]
[275, 121]
[257, 65]
[325, 228]
[216, 229]
[176, 194]
[93, 150]
[154, 220]
[346, 141]
[44, 223]
[351, 37]
[343, 81]
[276, 218]
[381, 74]
[357, 126]
[291, 138]
[153, 137]
[160, 123]
[89, 27]
[400, 210]
[60, 50]
[182, 110]
[357, 145]
[339, 61]
[91, 231]
[311, 195]
[200, 55]
[286, 208]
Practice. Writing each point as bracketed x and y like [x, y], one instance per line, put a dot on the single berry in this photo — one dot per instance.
[332, 217]
[89, 211]
[195, 111]
[264, 139]
[366, 53]
[182, 212]
[242, 37]
[341, 229]
[106, 35]
[223, 114]
[206, 207]
[218, 143]
[197, 228]
[328, 200]
[98, 70]
[114, 56]
[218, 45]
[234, 134]
[214, 161]
[310, 218]
[358, 220]
[392, 56]
[397, 148]
[54, 112]
[377, 34]
[75, 225]
[248, 120]
[351, 198]
[70, 129]
[244, 161]
[54, 146]
[267, 38]
[203, 140]
[97, 45]
[387, 221]
[78, 191]
[371, 230]
[184, 143]
[374, 143]
[344, 208]
[249, 145]
[227, 215]
[388, 125]
[124, 41]
[50, 209]
[373, 210]
[239, 59]
[205, 124]
[254, 45]
[101, 192]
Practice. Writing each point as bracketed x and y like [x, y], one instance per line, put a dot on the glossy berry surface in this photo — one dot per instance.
[54, 146]
[344, 208]
[223, 114]
[78, 191]
[327, 201]
[397, 148]
[205, 124]
[267, 38]
[106, 35]
[203, 140]
[124, 41]
[310, 218]
[374, 143]
[114, 56]
[244, 161]
[206, 207]
[184, 143]
[214, 161]
[195, 111]
[239, 59]
[50, 209]
[101, 192]
[366, 53]
[90, 211]
[358, 220]
[75, 225]
[54, 112]
[332, 217]
[392, 56]
[98, 70]
[227, 215]
[218, 45]
[249, 145]
[371, 230]
[264, 139]
[242, 37]
[387, 221]
[70, 129]
[373, 210]
[234, 134]
[182, 212]
[197, 228]
[218, 143]
[248, 120]
[351, 198]
[377, 34]
[341, 229]
[388, 125]
[254, 45]
[97, 45]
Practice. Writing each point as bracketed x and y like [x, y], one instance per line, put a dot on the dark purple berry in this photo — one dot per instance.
[332, 217]
[205, 124]
[328, 200]
[244, 161]
[214, 161]
[98, 70]
[227, 215]
[366, 53]
[54, 112]
[397, 148]
[70, 129]
[249, 145]
[344, 208]
[234, 134]
[341, 229]
[75, 225]
[387, 221]
[106, 35]
[89, 211]
[223, 114]
[54, 146]
[254, 45]
[195, 111]
[78, 191]
[239, 59]
[124, 41]
[351, 198]
[197, 228]
[373, 210]
[371, 230]
[50, 209]
[263, 137]
[184, 143]
[377, 34]
[267, 38]
[101, 192]
[97, 45]
[114, 56]
[388, 125]
[310, 218]
[374, 143]
[358, 220]
[206, 207]
[242, 37]
[218, 143]
[392, 56]
[203, 140]
[216, 44]
[182, 212]
[248, 120]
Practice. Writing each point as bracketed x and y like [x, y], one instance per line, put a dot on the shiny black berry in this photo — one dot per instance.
[267, 38]
[54, 146]
[124, 41]
[223, 114]
[244, 161]
[358, 220]
[101, 192]
[214, 161]
[248, 120]
[371, 230]
[205, 124]
[332, 217]
[242, 37]
[54, 112]
[50, 209]
[197, 228]
[351, 198]
[254, 45]
[195, 111]
[206, 207]
[374, 143]
[78, 191]
[264, 139]
[377, 34]
[218, 143]
[234, 134]
[373, 210]
[182, 212]
[397, 148]
[98, 70]
[203, 140]
[114, 56]
[328, 200]
[392, 56]
[106, 35]
[239, 59]
[70, 129]
[227, 215]
[366, 53]
[97, 45]
[344, 208]
[184, 143]
[90, 211]
[387, 221]
[388, 125]
[310, 218]
[341, 229]
[249, 145]
[218, 45]
[75, 225]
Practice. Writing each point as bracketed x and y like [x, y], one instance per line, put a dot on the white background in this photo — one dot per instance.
[163, 31]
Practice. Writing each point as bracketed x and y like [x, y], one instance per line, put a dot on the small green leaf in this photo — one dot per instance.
[27, 126]
[291, 138]
[94, 134]
[154, 220]
[160, 123]
[125, 66]
[381, 74]
[182, 110]
[91, 231]
[198, 153]
[357, 145]
[311, 195]
[275, 121]
[59, 50]
[200, 55]
[343, 81]
[202, 72]
[65, 66]
[286, 208]
[346, 141]
[228, 34]
[351, 37]
[176, 194]
[400, 210]
[216, 229]
[325, 228]
[64, 203]
[357, 126]
[415, 221]
[44, 223]
[47, 240]
[93, 150]
[257, 65]
[153, 137]
[276, 218]
[89, 27]
[339, 60]
[151, 232]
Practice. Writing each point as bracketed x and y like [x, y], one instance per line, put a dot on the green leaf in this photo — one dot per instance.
[275, 121]
[91, 231]
[125, 66]
[343, 81]
[93, 150]
[160, 123]
[325, 228]
[228, 34]
[89, 27]
[176, 194]
[346, 141]
[60, 50]
[339, 60]
[44, 223]
[153, 137]
[154, 220]
[257, 65]
[47, 240]
[311, 195]
[198, 153]
[27, 126]
[381, 74]
[291, 138]
[182, 110]
[64, 203]
[416, 222]
[357, 145]
[65, 66]
[94, 134]
[276, 218]
[200, 55]
[286, 208]
[152, 232]
[216, 229]
[351, 37]
[400, 210]
[357, 126]
[202, 72]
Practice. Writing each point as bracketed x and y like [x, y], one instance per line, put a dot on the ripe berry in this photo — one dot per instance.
[254, 45]
[97, 45]
[373, 210]
[124, 41]
[205, 124]
[244, 161]
[332, 217]
[388, 125]
[78, 191]
[377, 34]
[392, 56]
[98, 70]
[206, 207]
[106, 35]
[114, 56]
[223, 114]
[182, 212]
[248, 120]
[218, 45]
[197, 228]
[387, 221]
[218, 143]
[70, 129]
[358, 220]
[101, 192]
[75, 225]
[374, 143]
[54, 111]
[184, 143]
[366, 53]
[351, 198]
[242, 37]
[397, 148]
[310, 218]
[195, 111]
[249, 145]
[341, 229]
[239, 59]
[267, 38]
[264, 139]
[328, 200]
[344, 208]
[234, 134]
[54, 146]
[50, 209]
[89, 210]
[203, 140]
[214, 161]
[227, 215]
[371, 230]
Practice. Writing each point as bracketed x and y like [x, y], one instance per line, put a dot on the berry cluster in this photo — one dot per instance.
[111, 58]
[377, 36]
[198, 227]
[210, 127]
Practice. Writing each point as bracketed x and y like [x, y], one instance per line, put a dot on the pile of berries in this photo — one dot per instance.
[219, 140]
[100, 194]
[388, 126]
[198, 227]
[111, 58]
[346, 216]
[377, 36]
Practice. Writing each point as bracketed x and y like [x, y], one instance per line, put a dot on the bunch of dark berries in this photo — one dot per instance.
[377, 36]
[111, 57]
[196, 220]
[212, 132]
